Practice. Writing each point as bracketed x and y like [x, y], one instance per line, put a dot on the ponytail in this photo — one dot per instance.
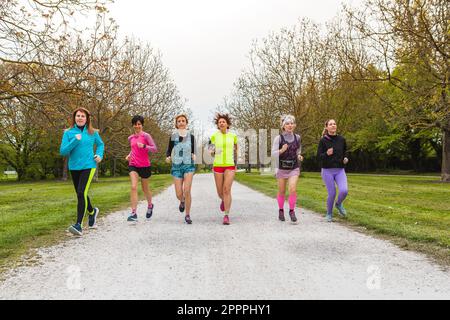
[325, 130]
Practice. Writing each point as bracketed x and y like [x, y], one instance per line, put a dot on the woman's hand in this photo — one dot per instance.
[128, 157]
[97, 158]
[141, 145]
[78, 136]
[330, 152]
[284, 148]
[168, 159]
[193, 157]
[345, 161]
[300, 157]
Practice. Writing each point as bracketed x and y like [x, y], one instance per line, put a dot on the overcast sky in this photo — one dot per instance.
[205, 43]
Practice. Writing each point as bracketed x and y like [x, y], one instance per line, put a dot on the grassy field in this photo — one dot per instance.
[36, 214]
[412, 211]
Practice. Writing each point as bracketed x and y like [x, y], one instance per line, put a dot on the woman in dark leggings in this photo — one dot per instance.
[78, 145]
[332, 154]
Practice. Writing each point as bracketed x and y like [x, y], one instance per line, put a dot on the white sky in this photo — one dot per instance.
[205, 43]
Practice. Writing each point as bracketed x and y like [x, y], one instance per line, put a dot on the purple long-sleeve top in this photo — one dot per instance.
[288, 137]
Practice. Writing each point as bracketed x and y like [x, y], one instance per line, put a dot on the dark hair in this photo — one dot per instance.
[137, 118]
[89, 126]
[224, 116]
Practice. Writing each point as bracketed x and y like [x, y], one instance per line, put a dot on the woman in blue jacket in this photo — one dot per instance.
[78, 145]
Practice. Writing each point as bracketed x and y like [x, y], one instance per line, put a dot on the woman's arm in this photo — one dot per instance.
[170, 147]
[150, 144]
[67, 145]
[192, 144]
[321, 150]
[276, 147]
[100, 145]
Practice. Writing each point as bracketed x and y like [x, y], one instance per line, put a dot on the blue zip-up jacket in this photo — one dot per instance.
[81, 152]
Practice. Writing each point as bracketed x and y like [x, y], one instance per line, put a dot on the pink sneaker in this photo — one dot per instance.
[222, 206]
[226, 220]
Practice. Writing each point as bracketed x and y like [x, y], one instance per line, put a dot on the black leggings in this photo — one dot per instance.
[81, 181]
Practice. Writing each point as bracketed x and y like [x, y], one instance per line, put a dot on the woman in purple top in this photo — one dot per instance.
[141, 144]
[332, 154]
[286, 149]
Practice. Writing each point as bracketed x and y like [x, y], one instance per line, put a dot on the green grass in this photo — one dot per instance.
[36, 214]
[412, 211]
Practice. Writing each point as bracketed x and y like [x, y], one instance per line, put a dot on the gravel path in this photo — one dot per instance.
[256, 257]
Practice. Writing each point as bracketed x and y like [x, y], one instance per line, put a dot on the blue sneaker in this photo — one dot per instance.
[76, 229]
[329, 217]
[132, 218]
[149, 213]
[341, 210]
[93, 219]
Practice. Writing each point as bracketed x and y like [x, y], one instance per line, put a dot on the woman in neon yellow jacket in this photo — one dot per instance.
[223, 145]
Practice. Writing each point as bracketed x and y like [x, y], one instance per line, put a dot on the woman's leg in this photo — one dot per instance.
[219, 177]
[292, 182]
[147, 192]
[341, 181]
[75, 174]
[84, 178]
[227, 183]
[187, 185]
[134, 177]
[328, 179]
[281, 192]
[178, 184]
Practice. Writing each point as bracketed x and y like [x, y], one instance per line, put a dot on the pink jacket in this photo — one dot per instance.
[139, 156]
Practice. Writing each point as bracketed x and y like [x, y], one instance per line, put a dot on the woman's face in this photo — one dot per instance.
[181, 123]
[80, 118]
[137, 126]
[331, 127]
[289, 127]
[222, 123]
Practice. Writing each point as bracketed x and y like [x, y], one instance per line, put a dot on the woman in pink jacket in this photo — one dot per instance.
[141, 144]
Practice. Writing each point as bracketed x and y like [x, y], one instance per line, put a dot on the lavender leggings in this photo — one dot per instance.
[329, 176]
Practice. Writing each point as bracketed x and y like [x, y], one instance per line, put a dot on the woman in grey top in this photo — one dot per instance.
[286, 149]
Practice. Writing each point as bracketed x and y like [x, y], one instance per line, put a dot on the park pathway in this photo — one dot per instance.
[256, 257]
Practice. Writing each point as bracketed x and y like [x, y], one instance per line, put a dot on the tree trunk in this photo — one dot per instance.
[445, 171]
[65, 173]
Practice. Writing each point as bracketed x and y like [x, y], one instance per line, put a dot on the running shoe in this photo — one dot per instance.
[226, 220]
[281, 215]
[182, 206]
[222, 206]
[188, 219]
[93, 218]
[76, 229]
[341, 209]
[132, 218]
[149, 213]
[292, 215]
[329, 217]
